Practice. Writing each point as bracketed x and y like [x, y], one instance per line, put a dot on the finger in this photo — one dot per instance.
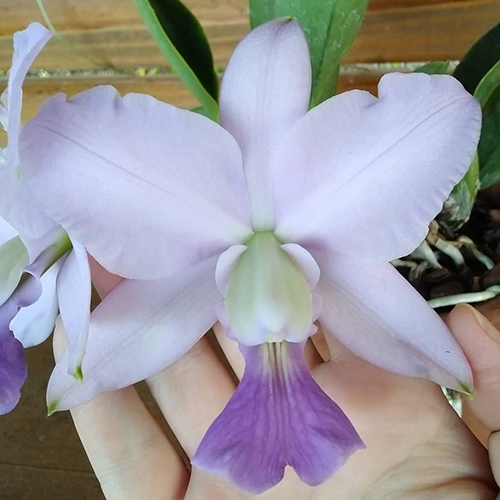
[319, 341]
[103, 280]
[130, 455]
[480, 341]
[230, 349]
[312, 357]
[337, 351]
[191, 393]
[480, 431]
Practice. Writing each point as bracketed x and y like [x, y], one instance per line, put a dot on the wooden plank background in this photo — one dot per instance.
[41, 458]
[112, 32]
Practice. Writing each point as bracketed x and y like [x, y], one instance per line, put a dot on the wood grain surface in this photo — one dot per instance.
[165, 88]
[111, 30]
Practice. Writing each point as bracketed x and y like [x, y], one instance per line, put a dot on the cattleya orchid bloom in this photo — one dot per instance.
[274, 219]
[37, 275]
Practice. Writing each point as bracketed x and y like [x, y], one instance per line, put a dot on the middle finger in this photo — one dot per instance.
[192, 392]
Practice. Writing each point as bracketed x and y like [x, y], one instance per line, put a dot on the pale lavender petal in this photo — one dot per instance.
[278, 416]
[16, 204]
[380, 317]
[365, 176]
[138, 330]
[7, 232]
[27, 45]
[317, 307]
[36, 319]
[305, 262]
[24, 213]
[74, 290]
[265, 89]
[29, 289]
[44, 240]
[149, 189]
[33, 324]
[225, 266]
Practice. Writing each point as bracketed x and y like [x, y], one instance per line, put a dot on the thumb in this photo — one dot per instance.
[480, 341]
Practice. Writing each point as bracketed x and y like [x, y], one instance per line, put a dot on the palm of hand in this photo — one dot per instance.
[417, 447]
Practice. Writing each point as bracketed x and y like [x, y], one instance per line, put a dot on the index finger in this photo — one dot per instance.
[480, 341]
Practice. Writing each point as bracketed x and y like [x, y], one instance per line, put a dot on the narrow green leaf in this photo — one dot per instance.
[330, 27]
[483, 55]
[182, 41]
[488, 94]
[458, 207]
[434, 68]
[201, 111]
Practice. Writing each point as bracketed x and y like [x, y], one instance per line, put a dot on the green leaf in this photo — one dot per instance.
[488, 94]
[182, 41]
[483, 55]
[330, 27]
[200, 110]
[434, 68]
[458, 207]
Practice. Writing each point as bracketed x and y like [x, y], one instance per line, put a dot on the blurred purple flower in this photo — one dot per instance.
[36, 276]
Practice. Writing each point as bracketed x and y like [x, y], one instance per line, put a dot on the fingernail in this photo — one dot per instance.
[484, 323]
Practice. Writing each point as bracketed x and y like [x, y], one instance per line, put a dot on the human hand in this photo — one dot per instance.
[417, 447]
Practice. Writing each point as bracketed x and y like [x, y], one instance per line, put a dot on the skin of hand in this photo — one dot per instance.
[417, 447]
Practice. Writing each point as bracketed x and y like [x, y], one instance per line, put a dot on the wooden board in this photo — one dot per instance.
[168, 89]
[40, 457]
[111, 30]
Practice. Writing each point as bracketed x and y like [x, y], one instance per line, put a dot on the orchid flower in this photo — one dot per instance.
[37, 275]
[274, 219]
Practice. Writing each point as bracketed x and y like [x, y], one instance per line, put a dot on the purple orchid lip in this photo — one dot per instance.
[278, 416]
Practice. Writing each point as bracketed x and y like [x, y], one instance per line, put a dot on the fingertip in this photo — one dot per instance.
[230, 349]
[494, 451]
[480, 341]
[467, 313]
[337, 351]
